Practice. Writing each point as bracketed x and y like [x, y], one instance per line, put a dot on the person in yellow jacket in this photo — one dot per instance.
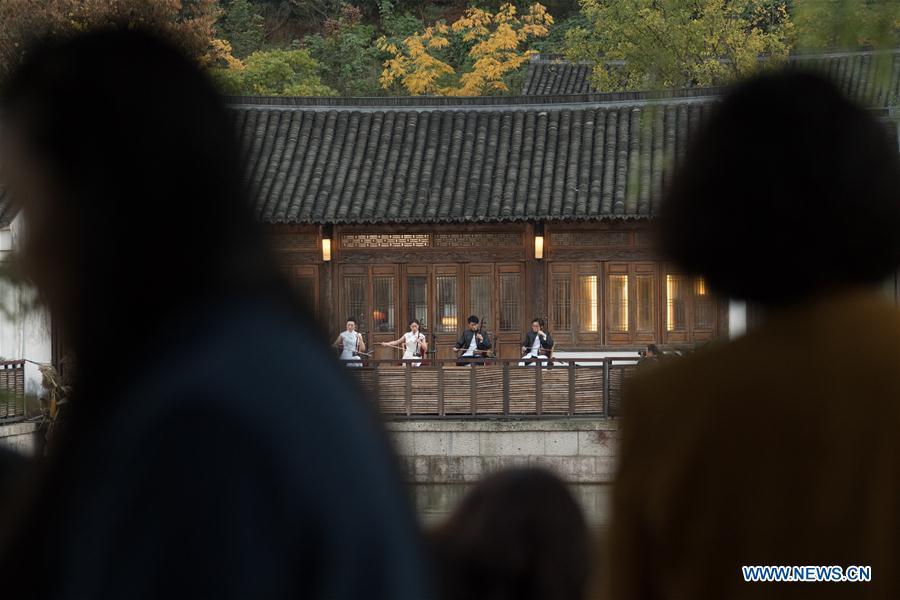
[781, 447]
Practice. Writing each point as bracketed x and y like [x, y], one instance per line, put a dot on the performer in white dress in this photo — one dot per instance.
[413, 343]
[350, 343]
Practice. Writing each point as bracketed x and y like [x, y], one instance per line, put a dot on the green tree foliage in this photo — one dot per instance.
[242, 24]
[274, 73]
[347, 53]
[187, 23]
[647, 44]
[842, 24]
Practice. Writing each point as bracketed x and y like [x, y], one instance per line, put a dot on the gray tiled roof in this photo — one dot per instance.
[856, 73]
[461, 161]
[556, 76]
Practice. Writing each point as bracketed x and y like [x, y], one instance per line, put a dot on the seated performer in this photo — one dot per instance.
[413, 343]
[538, 344]
[350, 343]
[472, 343]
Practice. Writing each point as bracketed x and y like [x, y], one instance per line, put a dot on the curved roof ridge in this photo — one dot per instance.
[475, 102]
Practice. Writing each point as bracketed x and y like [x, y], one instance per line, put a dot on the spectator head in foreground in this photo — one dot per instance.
[215, 449]
[517, 535]
[788, 191]
[123, 159]
[755, 451]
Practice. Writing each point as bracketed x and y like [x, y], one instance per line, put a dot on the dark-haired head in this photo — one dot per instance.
[517, 535]
[414, 322]
[788, 190]
[472, 319]
[122, 156]
[351, 320]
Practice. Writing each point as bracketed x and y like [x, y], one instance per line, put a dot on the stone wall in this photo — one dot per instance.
[461, 451]
[19, 437]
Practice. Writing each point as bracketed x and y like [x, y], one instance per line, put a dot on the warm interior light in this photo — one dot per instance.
[670, 303]
[326, 249]
[590, 295]
[538, 247]
[700, 286]
[448, 322]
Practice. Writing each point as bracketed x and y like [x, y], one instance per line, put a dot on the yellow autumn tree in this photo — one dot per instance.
[496, 48]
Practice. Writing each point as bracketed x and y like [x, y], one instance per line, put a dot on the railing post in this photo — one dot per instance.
[538, 388]
[473, 397]
[440, 388]
[407, 389]
[606, 386]
[506, 388]
[571, 367]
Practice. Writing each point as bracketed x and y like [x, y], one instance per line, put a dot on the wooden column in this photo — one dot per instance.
[536, 284]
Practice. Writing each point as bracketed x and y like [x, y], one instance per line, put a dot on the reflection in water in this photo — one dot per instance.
[434, 500]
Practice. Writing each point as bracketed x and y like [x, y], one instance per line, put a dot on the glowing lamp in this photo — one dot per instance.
[539, 241]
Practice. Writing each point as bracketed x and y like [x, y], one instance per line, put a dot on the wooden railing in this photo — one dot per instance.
[12, 390]
[498, 388]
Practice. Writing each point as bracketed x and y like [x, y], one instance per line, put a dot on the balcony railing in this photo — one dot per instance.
[573, 387]
[12, 390]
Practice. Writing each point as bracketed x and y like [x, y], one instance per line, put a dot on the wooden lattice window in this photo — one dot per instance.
[588, 301]
[417, 299]
[510, 301]
[561, 303]
[383, 309]
[480, 295]
[574, 303]
[631, 303]
[676, 303]
[645, 303]
[355, 305]
[690, 309]
[704, 306]
[446, 303]
[617, 293]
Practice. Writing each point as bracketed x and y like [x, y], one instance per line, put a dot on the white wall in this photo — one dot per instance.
[737, 318]
[24, 328]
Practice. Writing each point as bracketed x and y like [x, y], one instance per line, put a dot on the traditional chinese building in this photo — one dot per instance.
[505, 208]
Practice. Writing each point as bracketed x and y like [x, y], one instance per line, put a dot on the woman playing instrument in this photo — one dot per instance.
[413, 343]
[350, 343]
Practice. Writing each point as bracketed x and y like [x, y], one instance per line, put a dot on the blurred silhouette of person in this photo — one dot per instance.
[758, 452]
[649, 358]
[517, 535]
[209, 452]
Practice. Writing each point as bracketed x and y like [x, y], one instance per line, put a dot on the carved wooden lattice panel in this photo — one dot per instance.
[581, 239]
[284, 242]
[386, 240]
[477, 240]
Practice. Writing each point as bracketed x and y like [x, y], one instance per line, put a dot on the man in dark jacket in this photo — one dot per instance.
[472, 343]
[538, 344]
